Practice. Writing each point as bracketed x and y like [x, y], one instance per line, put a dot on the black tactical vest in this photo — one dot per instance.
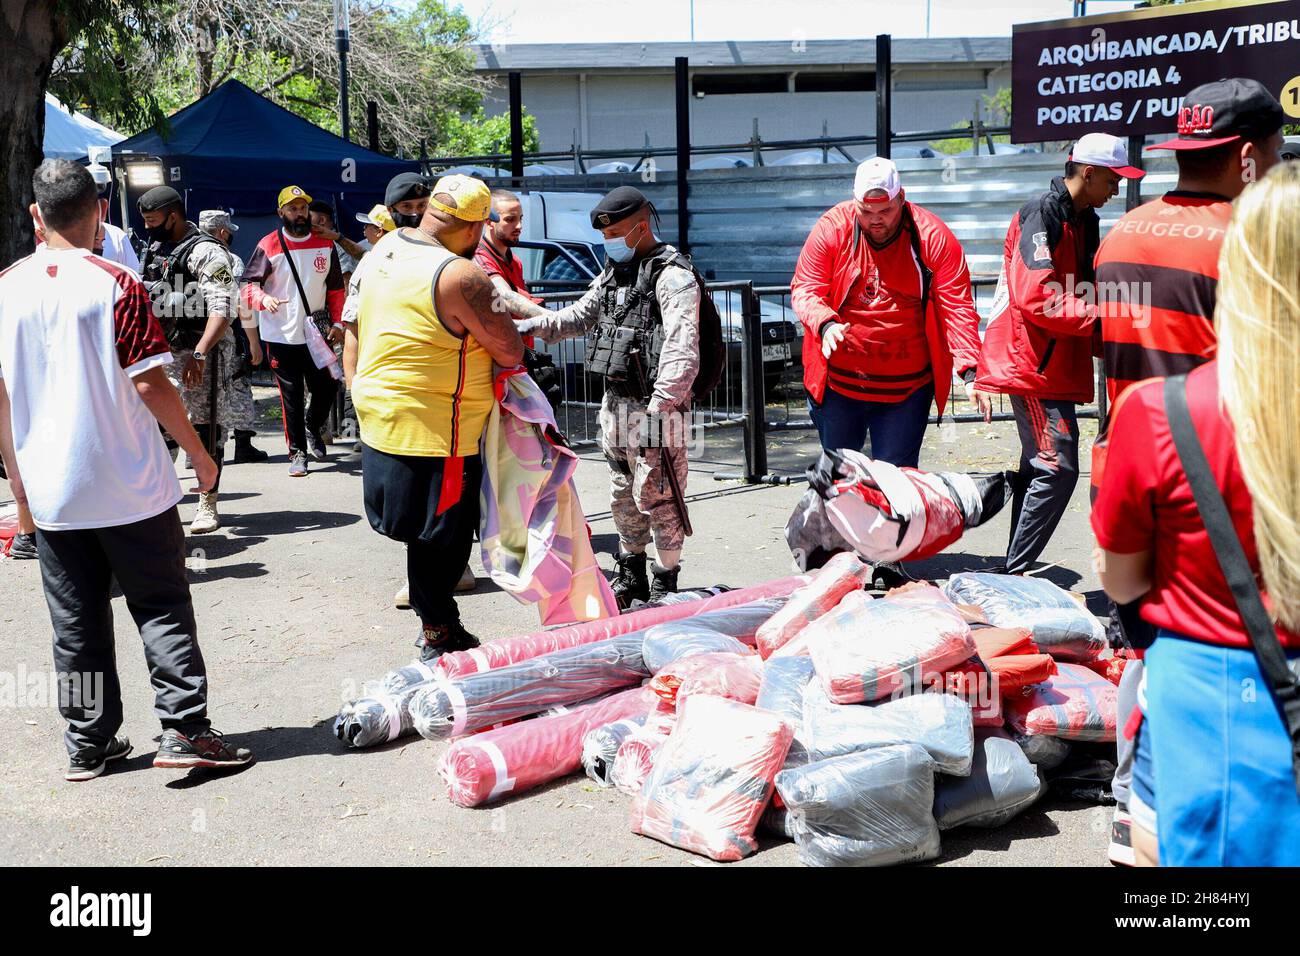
[178, 302]
[625, 345]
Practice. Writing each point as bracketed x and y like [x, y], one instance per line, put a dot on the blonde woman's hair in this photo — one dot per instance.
[1258, 319]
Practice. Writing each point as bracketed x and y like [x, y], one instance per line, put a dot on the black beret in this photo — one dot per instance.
[617, 205]
[405, 186]
[158, 197]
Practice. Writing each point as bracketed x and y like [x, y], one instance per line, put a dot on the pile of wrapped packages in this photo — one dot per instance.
[859, 727]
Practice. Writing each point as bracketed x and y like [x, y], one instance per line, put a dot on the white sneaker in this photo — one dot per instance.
[402, 599]
[466, 582]
[1120, 852]
[206, 519]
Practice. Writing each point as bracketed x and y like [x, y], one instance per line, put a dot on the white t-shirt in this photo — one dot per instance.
[117, 248]
[74, 330]
[318, 270]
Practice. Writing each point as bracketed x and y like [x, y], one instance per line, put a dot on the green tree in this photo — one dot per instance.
[82, 43]
[478, 134]
[416, 62]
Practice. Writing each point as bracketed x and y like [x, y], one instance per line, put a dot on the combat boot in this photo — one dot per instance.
[631, 583]
[245, 451]
[206, 520]
[664, 583]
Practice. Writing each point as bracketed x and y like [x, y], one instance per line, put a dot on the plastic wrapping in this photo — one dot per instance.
[382, 715]
[941, 724]
[1061, 626]
[878, 648]
[842, 574]
[776, 818]
[511, 650]
[865, 809]
[513, 759]
[734, 676]
[453, 708]
[887, 513]
[635, 761]
[601, 745]
[713, 778]
[1074, 704]
[728, 629]
[785, 681]
[681, 597]
[1045, 753]
[1001, 784]
[841, 619]
[974, 683]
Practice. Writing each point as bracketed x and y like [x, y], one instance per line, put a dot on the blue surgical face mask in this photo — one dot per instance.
[619, 250]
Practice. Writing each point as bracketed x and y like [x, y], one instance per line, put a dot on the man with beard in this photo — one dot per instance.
[495, 254]
[191, 284]
[294, 279]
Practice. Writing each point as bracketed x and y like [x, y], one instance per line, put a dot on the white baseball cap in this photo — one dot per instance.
[876, 173]
[1102, 149]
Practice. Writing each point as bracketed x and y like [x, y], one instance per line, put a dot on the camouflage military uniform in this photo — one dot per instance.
[241, 391]
[210, 263]
[641, 499]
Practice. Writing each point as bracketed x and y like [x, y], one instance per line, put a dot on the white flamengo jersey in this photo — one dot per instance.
[74, 330]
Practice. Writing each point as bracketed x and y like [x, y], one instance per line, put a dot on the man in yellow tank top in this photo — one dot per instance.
[427, 338]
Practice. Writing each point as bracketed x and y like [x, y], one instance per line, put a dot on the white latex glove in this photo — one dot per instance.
[832, 338]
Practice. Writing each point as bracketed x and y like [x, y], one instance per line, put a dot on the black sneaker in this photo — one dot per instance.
[631, 583]
[318, 450]
[664, 582]
[208, 749]
[24, 548]
[89, 763]
[433, 642]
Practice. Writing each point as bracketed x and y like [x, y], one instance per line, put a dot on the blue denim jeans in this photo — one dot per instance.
[896, 428]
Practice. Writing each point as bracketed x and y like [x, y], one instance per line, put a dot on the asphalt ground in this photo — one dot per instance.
[294, 601]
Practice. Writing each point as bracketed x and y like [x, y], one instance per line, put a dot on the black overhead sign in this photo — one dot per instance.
[1126, 73]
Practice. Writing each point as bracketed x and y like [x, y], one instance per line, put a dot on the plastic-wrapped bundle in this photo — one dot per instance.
[785, 681]
[878, 648]
[734, 676]
[939, 723]
[511, 650]
[842, 574]
[975, 683]
[1045, 753]
[601, 745]
[838, 620]
[776, 818]
[1002, 783]
[382, 715]
[864, 809]
[1061, 626]
[887, 513]
[453, 708]
[635, 761]
[377, 719]
[1074, 704]
[728, 629]
[513, 759]
[713, 778]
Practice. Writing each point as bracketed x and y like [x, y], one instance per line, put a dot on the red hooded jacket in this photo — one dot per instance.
[828, 269]
[1039, 340]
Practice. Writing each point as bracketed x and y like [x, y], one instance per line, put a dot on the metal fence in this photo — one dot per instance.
[761, 392]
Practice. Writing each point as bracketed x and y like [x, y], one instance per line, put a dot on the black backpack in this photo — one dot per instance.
[713, 351]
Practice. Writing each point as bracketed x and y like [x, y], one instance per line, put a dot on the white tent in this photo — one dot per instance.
[67, 134]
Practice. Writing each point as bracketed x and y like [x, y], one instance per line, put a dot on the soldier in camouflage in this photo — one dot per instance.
[191, 283]
[641, 317]
[248, 349]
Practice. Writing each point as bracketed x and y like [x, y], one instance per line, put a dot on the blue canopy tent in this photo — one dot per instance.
[234, 149]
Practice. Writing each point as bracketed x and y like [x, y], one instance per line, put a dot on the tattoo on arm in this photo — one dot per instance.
[491, 324]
